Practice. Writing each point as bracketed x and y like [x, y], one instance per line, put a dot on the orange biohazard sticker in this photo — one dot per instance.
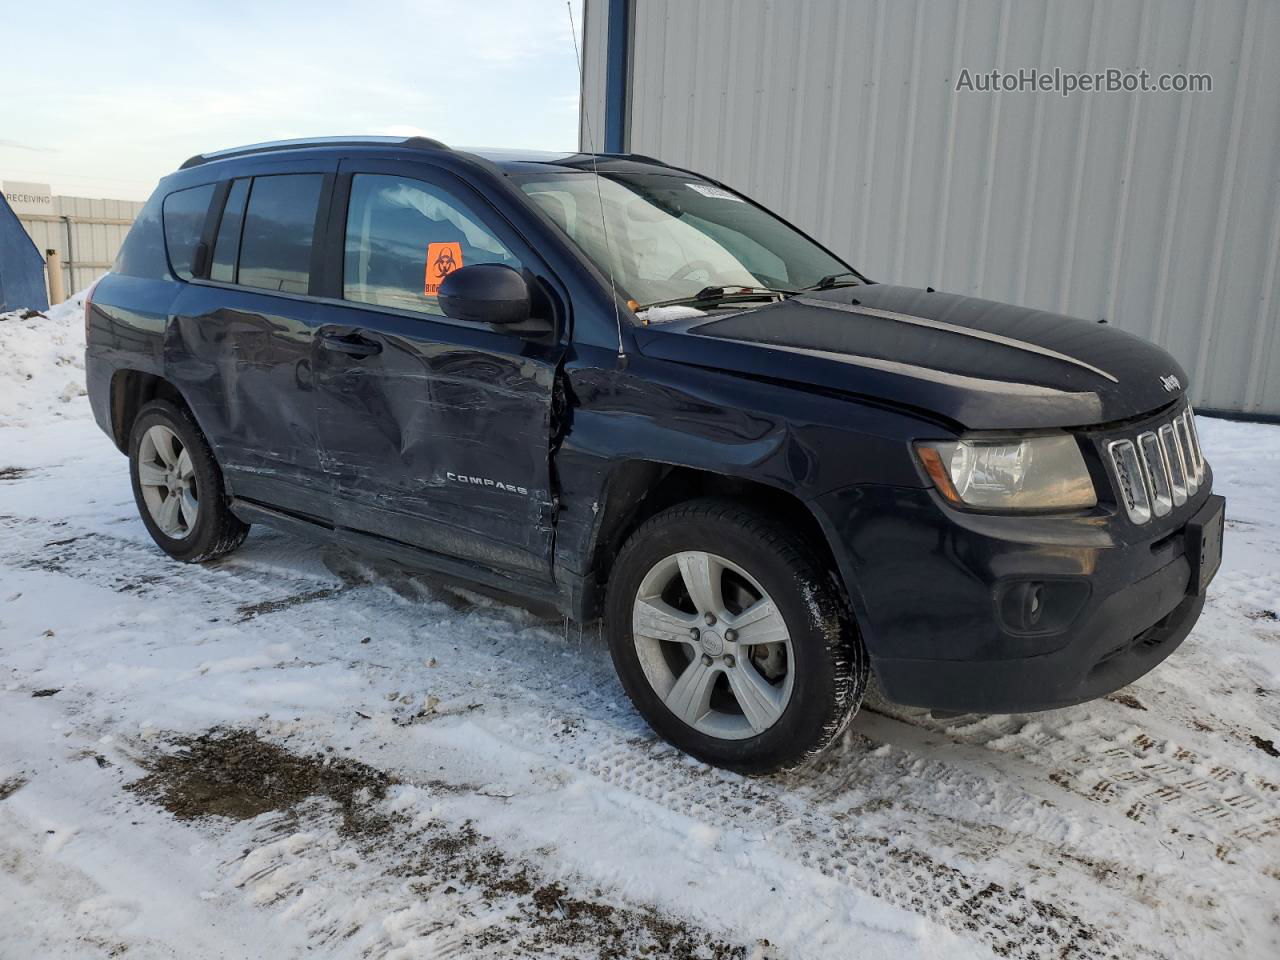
[442, 260]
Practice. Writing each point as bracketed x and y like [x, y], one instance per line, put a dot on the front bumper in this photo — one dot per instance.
[932, 589]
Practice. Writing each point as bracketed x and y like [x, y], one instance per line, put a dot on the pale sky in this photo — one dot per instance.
[102, 100]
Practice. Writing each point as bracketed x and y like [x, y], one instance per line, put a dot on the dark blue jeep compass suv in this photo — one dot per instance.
[626, 389]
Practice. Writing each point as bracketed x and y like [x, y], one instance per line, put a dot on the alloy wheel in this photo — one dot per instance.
[167, 478]
[713, 645]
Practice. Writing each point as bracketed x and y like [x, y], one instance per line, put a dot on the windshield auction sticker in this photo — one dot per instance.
[707, 190]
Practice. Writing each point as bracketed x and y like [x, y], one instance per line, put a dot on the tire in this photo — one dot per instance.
[215, 530]
[763, 566]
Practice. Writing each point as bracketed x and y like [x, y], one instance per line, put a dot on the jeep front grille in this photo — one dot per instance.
[1159, 469]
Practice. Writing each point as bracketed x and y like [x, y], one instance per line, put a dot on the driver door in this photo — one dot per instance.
[435, 432]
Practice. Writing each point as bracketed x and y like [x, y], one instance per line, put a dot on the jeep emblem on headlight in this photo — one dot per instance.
[1171, 383]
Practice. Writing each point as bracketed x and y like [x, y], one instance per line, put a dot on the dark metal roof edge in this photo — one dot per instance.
[415, 143]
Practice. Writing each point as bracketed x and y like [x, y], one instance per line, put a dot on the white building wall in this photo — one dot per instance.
[1159, 212]
[87, 240]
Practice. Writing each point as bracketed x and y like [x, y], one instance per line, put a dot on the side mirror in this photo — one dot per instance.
[485, 293]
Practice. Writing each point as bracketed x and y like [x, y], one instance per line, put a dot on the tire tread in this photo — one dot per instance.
[826, 597]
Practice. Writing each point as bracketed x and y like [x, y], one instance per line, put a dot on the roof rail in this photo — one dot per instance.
[417, 143]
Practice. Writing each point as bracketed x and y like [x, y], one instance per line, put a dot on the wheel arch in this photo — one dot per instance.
[639, 489]
[130, 391]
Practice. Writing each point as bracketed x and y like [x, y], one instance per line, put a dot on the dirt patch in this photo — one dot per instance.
[1126, 699]
[46, 693]
[13, 473]
[11, 786]
[1266, 746]
[234, 774]
[549, 919]
[620, 933]
[1264, 615]
[250, 610]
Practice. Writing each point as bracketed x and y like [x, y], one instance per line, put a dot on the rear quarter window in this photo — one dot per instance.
[142, 253]
[185, 213]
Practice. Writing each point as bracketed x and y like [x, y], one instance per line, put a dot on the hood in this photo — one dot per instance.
[982, 364]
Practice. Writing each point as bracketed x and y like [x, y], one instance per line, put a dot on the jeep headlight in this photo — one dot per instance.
[1037, 473]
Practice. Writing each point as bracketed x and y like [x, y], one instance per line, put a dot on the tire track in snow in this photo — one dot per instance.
[1121, 765]
[1009, 921]
[127, 566]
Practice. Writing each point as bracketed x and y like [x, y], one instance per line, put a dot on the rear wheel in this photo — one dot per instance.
[178, 487]
[731, 638]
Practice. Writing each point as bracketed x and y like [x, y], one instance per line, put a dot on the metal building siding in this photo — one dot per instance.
[98, 228]
[595, 34]
[1159, 212]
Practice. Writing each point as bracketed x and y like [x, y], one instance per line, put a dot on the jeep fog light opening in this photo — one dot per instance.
[1037, 473]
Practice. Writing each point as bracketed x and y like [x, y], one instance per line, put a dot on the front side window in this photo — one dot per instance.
[184, 216]
[404, 237]
[667, 237]
[279, 224]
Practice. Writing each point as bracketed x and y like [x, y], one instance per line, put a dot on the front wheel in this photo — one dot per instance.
[731, 638]
[178, 486]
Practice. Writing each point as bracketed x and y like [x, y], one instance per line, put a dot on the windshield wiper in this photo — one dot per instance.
[831, 280]
[710, 296]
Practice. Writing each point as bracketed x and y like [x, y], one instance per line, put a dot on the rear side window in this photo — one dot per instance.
[279, 225]
[226, 247]
[404, 237]
[142, 254]
[185, 212]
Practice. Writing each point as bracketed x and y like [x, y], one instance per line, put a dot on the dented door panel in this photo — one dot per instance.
[439, 438]
[242, 359]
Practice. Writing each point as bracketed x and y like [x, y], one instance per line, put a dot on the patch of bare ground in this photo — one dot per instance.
[235, 774]
[250, 610]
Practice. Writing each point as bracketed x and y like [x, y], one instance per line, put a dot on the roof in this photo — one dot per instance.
[511, 160]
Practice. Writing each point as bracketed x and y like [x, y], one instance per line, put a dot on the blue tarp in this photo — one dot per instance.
[21, 266]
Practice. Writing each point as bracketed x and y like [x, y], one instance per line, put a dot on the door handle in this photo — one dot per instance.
[353, 345]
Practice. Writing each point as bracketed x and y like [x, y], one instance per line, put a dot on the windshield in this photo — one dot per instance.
[671, 237]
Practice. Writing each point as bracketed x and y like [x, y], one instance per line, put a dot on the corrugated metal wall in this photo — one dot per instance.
[1158, 211]
[97, 229]
[595, 34]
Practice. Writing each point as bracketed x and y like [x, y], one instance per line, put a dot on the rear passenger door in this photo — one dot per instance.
[436, 432]
[240, 342]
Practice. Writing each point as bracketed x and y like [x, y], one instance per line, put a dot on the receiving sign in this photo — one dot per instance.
[442, 260]
[29, 198]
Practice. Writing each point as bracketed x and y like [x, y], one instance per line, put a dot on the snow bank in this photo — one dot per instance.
[42, 364]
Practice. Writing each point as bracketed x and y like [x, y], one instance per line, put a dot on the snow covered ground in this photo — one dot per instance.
[296, 751]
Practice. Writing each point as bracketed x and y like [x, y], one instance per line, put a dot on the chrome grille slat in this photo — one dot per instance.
[1160, 469]
[1177, 467]
[1133, 488]
[1157, 472]
[1184, 441]
[1193, 442]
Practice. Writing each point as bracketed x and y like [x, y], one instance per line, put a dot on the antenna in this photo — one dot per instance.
[595, 170]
